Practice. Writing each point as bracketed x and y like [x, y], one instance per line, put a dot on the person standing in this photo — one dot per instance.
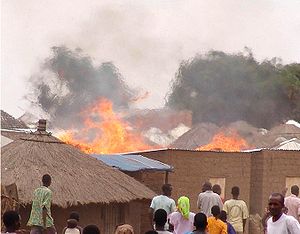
[160, 219]
[280, 222]
[292, 203]
[215, 224]
[237, 211]
[163, 202]
[40, 217]
[182, 219]
[72, 224]
[223, 217]
[207, 199]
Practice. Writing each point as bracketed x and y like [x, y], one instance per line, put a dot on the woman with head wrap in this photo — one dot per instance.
[182, 219]
[124, 229]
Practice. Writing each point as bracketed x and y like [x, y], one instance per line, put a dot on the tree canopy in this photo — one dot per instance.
[221, 88]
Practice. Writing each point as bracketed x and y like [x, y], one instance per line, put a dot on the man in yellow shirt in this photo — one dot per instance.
[216, 225]
[237, 211]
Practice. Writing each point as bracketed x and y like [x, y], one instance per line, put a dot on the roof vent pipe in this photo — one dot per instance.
[42, 125]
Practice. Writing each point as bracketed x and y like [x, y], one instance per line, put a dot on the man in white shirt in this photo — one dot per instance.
[207, 199]
[280, 223]
[292, 203]
[163, 202]
[237, 211]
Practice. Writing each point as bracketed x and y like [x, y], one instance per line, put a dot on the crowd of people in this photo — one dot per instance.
[215, 215]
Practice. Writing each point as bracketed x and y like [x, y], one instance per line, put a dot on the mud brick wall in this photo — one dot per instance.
[193, 168]
[277, 166]
[152, 179]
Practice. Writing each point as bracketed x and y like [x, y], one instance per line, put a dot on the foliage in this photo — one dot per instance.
[221, 88]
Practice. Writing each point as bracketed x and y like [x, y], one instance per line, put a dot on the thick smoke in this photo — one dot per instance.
[222, 88]
[69, 82]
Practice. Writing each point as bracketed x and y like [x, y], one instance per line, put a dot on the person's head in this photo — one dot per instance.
[124, 229]
[223, 216]
[295, 190]
[151, 232]
[46, 179]
[200, 221]
[206, 186]
[72, 223]
[235, 191]
[167, 189]
[11, 220]
[276, 204]
[217, 189]
[74, 215]
[183, 206]
[215, 210]
[160, 217]
[91, 229]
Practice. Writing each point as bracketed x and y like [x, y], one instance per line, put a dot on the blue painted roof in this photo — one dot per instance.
[132, 162]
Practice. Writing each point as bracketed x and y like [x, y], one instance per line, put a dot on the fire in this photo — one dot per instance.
[230, 142]
[110, 134]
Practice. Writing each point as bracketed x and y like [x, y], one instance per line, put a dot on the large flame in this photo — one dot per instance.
[230, 142]
[110, 133]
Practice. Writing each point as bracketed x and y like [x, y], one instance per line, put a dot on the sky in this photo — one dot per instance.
[146, 40]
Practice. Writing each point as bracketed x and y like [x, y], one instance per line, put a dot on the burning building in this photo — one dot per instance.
[102, 195]
[258, 173]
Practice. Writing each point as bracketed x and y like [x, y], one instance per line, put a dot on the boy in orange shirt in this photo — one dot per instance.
[216, 225]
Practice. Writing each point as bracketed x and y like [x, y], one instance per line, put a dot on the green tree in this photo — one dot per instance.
[221, 88]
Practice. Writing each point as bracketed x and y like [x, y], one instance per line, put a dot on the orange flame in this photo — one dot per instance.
[230, 142]
[110, 133]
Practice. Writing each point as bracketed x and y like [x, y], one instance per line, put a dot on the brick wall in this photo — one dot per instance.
[277, 166]
[193, 168]
[153, 180]
[258, 174]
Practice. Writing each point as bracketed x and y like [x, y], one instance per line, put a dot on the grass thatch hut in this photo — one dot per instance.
[102, 195]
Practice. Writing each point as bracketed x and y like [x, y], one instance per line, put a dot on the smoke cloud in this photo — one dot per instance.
[69, 82]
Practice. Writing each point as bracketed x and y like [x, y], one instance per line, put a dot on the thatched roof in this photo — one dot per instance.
[14, 135]
[9, 122]
[77, 178]
[200, 134]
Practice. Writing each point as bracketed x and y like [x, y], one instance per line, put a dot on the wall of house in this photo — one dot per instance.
[193, 168]
[153, 180]
[278, 166]
[258, 174]
[106, 217]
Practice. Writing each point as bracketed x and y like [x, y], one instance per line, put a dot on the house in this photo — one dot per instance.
[258, 173]
[151, 173]
[102, 195]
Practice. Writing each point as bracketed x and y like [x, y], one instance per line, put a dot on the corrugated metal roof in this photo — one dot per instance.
[132, 162]
[292, 144]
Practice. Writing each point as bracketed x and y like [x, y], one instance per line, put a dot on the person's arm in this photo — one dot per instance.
[245, 214]
[265, 218]
[44, 216]
[64, 230]
[220, 203]
[173, 206]
[151, 213]
[224, 229]
[45, 205]
[244, 223]
[293, 226]
[199, 202]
